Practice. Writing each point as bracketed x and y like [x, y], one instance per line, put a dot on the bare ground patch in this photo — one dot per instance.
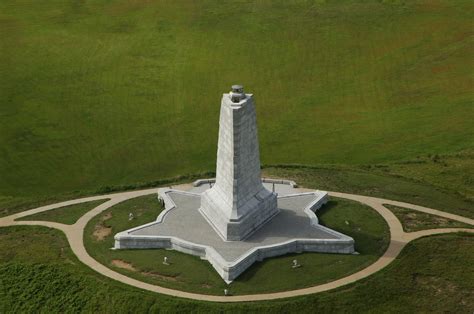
[415, 221]
[128, 266]
[206, 286]
[436, 285]
[101, 231]
[160, 276]
[122, 264]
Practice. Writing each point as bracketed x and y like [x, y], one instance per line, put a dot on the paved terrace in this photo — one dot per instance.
[187, 223]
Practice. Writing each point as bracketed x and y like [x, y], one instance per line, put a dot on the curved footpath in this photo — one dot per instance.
[398, 240]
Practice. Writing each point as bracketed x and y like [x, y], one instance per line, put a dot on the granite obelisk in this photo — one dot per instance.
[238, 204]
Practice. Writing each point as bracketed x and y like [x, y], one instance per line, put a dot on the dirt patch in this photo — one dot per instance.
[414, 220]
[160, 276]
[122, 264]
[436, 285]
[101, 231]
[125, 265]
[411, 215]
[441, 221]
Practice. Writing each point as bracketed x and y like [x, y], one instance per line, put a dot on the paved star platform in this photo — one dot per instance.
[182, 227]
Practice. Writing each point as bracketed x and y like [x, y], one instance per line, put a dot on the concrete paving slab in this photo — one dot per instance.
[186, 222]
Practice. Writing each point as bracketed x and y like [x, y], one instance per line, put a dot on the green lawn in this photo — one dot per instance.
[96, 93]
[39, 273]
[66, 215]
[190, 273]
[414, 220]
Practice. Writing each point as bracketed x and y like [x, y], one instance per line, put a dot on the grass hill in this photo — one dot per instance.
[370, 97]
[96, 93]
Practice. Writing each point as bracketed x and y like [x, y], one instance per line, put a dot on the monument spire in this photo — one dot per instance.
[238, 204]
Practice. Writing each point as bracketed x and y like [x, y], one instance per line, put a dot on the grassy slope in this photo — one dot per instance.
[403, 182]
[192, 274]
[426, 277]
[66, 215]
[453, 172]
[11, 205]
[374, 183]
[111, 92]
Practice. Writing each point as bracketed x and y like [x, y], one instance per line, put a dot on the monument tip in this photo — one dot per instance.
[237, 88]
[237, 93]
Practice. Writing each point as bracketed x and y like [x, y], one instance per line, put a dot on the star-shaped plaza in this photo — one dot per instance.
[182, 227]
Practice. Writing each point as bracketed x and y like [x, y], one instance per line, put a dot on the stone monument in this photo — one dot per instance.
[238, 204]
[237, 218]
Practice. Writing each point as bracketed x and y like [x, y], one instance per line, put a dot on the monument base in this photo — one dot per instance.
[183, 228]
[258, 210]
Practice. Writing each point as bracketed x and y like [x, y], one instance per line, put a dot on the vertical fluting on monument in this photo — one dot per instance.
[238, 204]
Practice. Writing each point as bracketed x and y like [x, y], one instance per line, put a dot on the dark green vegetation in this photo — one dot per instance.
[66, 215]
[414, 220]
[14, 205]
[192, 274]
[452, 172]
[428, 276]
[374, 182]
[96, 93]
[390, 181]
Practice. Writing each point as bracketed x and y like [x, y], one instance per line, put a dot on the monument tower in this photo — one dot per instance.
[238, 204]
[237, 221]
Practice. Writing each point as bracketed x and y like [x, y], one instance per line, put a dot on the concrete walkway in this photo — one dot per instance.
[398, 240]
